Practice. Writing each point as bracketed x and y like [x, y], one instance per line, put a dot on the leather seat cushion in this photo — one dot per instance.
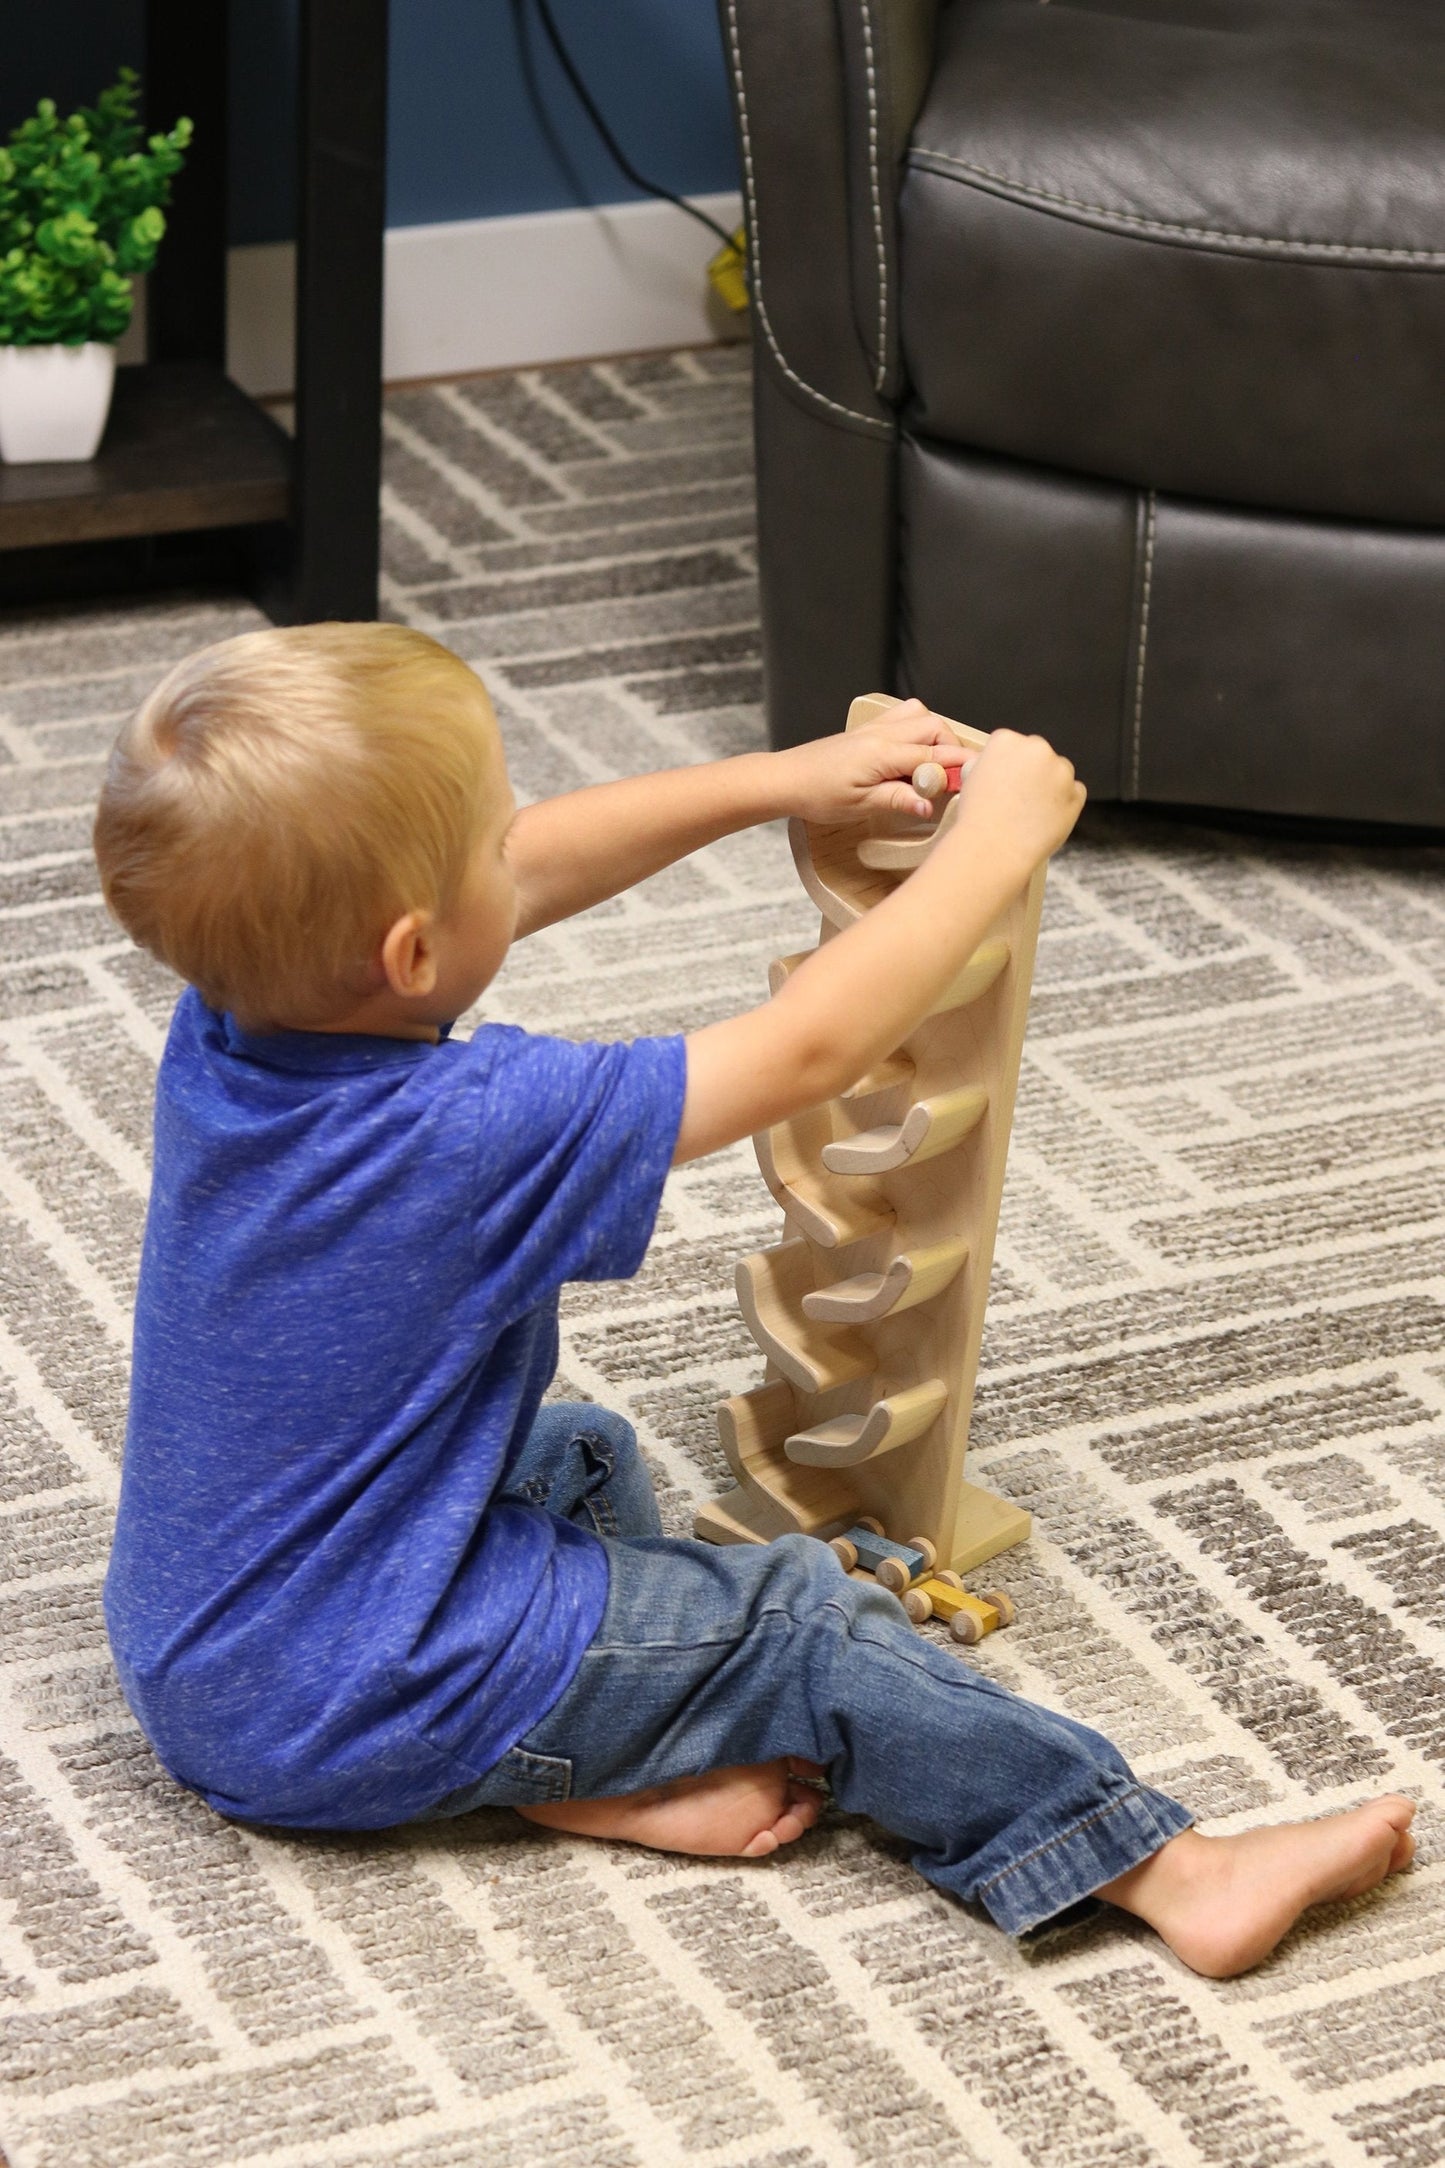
[1196, 245]
[1181, 652]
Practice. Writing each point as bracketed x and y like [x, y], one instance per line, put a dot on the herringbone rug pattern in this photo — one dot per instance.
[1215, 1371]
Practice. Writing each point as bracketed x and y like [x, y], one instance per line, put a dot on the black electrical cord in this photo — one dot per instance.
[620, 158]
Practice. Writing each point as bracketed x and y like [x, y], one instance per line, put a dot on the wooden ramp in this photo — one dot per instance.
[870, 1309]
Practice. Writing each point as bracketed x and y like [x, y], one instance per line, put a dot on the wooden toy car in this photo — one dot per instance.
[943, 1596]
[910, 1572]
[893, 1565]
[845, 1549]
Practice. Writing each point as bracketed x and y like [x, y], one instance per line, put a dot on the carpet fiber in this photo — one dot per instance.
[1215, 1370]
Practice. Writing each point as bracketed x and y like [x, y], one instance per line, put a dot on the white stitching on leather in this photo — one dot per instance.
[869, 421]
[881, 375]
[1362, 250]
[1143, 641]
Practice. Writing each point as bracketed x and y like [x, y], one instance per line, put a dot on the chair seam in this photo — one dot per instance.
[876, 194]
[1144, 601]
[1362, 250]
[870, 422]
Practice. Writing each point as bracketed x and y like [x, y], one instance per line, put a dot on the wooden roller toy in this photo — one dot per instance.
[868, 1310]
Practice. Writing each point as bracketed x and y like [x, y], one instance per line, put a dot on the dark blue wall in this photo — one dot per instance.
[482, 122]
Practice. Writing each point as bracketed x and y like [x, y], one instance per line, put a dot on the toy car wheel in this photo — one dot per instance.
[918, 1605]
[1002, 1604]
[892, 1574]
[929, 1550]
[866, 1520]
[950, 1579]
[965, 1627]
[844, 1552]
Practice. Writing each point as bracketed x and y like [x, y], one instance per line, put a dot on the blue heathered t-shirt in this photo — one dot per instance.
[346, 1320]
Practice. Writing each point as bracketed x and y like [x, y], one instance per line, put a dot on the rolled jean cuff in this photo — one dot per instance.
[1059, 1874]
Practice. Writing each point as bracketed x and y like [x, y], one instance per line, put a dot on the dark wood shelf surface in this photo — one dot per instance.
[193, 479]
[184, 449]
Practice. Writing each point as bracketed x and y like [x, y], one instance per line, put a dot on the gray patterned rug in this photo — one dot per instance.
[1215, 1371]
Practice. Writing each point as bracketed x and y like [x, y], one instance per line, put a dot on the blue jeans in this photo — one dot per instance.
[707, 1657]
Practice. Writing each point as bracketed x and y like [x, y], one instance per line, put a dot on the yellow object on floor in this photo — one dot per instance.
[728, 273]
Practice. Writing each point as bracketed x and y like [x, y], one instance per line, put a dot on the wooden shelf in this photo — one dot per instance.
[194, 482]
[184, 449]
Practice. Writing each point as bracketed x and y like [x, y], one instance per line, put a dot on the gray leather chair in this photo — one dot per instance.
[1101, 381]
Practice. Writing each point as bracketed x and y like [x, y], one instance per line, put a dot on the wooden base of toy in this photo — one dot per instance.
[987, 1526]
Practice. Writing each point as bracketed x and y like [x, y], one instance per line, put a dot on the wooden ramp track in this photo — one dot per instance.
[833, 1210]
[908, 1279]
[846, 1440]
[929, 1127]
[827, 863]
[775, 1496]
[901, 853]
[771, 1286]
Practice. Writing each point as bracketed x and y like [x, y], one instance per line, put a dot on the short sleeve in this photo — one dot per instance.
[573, 1145]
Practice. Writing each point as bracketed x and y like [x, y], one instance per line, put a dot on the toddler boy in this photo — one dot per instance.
[361, 1575]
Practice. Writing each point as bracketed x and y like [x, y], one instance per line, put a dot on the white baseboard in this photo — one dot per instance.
[501, 293]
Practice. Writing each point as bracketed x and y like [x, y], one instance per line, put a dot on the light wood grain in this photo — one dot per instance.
[904, 1246]
[929, 1127]
[844, 1441]
[771, 1286]
[907, 1279]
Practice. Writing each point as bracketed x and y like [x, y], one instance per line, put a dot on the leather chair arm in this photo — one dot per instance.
[826, 92]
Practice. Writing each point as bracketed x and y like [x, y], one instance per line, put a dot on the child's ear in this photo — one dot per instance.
[407, 960]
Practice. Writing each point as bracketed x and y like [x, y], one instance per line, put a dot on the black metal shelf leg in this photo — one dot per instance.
[335, 508]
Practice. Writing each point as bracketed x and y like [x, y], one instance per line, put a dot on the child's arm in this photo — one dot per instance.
[570, 852]
[864, 990]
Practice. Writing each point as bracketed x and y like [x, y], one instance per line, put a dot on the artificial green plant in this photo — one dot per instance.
[80, 215]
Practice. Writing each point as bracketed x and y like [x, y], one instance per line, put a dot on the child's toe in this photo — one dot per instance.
[804, 1806]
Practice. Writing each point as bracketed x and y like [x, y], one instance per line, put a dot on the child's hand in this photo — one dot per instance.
[857, 772]
[1022, 795]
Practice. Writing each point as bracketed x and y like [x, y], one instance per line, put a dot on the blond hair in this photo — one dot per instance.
[281, 798]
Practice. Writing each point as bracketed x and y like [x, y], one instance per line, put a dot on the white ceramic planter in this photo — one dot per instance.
[54, 400]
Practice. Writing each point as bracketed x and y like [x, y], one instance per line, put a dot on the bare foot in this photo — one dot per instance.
[725, 1813]
[1222, 1903]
